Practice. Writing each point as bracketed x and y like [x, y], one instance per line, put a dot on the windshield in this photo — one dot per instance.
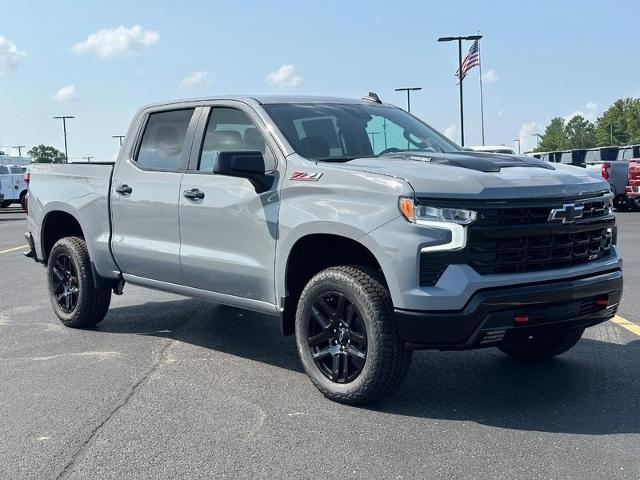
[342, 132]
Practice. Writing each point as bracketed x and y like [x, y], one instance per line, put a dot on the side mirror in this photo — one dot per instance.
[244, 164]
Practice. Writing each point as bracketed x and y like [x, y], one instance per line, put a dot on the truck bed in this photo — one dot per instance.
[81, 190]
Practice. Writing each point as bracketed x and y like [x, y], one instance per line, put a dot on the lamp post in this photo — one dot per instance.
[459, 40]
[119, 137]
[408, 90]
[538, 138]
[64, 129]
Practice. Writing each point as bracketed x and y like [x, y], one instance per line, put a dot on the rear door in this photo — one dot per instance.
[229, 235]
[144, 196]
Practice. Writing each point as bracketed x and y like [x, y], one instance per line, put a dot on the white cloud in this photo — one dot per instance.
[500, 113]
[195, 78]
[10, 56]
[490, 76]
[66, 93]
[527, 141]
[450, 132]
[111, 42]
[589, 113]
[285, 76]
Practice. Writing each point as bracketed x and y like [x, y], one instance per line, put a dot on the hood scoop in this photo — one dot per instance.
[480, 163]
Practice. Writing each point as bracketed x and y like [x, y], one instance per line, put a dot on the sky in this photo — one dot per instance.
[101, 61]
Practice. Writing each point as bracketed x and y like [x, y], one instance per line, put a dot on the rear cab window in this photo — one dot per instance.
[163, 142]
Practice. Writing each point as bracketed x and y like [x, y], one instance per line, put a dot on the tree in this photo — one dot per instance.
[46, 154]
[554, 137]
[580, 133]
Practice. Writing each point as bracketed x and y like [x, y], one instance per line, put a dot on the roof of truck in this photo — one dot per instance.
[267, 99]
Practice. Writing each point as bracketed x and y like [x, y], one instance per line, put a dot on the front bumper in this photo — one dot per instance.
[489, 317]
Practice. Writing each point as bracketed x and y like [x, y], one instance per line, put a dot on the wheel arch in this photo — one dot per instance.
[312, 253]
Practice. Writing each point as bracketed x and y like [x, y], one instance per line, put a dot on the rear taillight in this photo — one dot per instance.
[26, 177]
[605, 170]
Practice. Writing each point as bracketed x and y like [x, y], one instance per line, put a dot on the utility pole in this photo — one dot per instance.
[518, 140]
[64, 129]
[119, 137]
[459, 40]
[408, 90]
[19, 147]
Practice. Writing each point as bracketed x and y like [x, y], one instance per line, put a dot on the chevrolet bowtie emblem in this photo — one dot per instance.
[569, 213]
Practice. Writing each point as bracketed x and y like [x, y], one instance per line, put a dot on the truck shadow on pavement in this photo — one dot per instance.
[594, 389]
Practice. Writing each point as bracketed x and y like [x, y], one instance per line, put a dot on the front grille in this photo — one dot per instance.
[501, 216]
[520, 239]
[538, 252]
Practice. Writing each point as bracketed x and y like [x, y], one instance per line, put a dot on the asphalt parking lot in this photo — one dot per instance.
[169, 387]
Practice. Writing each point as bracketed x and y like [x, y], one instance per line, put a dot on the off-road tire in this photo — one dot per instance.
[542, 347]
[387, 359]
[92, 302]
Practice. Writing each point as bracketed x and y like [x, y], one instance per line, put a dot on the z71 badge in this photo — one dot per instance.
[305, 176]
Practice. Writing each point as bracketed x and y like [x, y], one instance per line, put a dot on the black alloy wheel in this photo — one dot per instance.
[337, 337]
[65, 284]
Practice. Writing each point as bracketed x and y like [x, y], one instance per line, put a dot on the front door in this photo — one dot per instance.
[144, 197]
[228, 235]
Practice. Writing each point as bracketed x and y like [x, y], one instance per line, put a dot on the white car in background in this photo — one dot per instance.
[13, 185]
[493, 149]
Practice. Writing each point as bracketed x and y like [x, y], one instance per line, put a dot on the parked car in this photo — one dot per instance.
[364, 252]
[12, 185]
[633, 187]
[606, 162]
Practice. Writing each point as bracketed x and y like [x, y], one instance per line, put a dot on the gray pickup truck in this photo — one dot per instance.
[363, 231]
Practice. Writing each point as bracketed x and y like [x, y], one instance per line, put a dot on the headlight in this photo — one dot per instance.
[421, 214]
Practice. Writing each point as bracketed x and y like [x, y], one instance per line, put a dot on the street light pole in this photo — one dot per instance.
[459, 40]
[119, 137]
[408, 90]
[64, 129]
[538, 138]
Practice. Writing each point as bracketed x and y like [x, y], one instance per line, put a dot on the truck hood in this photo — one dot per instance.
[481, 175]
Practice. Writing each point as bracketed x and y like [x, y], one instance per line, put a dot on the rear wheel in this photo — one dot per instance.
[23, 201]
[346, 335]
[540, 347]
[76, 300]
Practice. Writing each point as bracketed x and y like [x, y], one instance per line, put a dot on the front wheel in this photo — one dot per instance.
[76, 300]
[541, 347]
[346, 335]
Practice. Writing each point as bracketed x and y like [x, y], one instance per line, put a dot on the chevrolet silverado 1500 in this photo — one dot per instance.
[365, 232]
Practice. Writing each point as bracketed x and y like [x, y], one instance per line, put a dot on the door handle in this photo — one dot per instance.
[124, 189]
[193, 194]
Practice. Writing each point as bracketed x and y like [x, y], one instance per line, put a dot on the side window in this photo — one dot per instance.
[17, 170]
[163, 140]
[231, 130]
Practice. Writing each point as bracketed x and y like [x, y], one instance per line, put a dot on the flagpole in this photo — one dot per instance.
[481, 93]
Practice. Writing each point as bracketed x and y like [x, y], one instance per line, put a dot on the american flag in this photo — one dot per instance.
[471, 60]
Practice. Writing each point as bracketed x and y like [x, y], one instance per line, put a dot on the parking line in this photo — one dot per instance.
[13, 249]
[623, 322]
